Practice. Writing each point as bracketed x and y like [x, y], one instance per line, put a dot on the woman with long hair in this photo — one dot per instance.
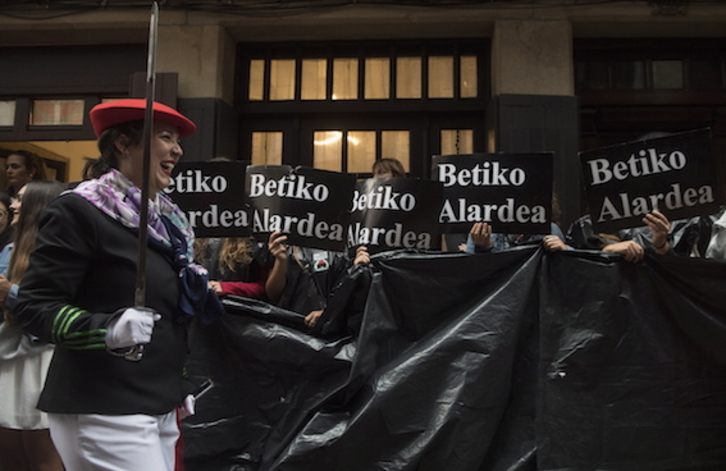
[6, 229]
[25, 442]
[235, 266]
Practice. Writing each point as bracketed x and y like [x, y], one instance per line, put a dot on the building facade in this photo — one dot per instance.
[337, 84]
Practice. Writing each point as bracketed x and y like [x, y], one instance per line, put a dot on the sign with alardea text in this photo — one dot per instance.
[309, 205]
[674, 174]
[512, 192]
[212, 195]
[391, 213]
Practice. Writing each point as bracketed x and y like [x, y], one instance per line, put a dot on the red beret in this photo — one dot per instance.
[115, 112]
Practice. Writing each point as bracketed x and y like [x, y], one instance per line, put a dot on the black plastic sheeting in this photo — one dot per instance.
[518, 360]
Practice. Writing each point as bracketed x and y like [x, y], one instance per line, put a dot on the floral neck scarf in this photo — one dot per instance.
[117, 197]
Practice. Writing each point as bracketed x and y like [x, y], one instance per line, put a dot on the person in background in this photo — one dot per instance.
[25, 442]
[115, 390]
[482, 239]
[238, 267]
[317, 273]
[387, 168]
[22, 167]
[660, 228]
[630, 243]
[235, 269]
[6, 228]
[382, 168]
[313, 277]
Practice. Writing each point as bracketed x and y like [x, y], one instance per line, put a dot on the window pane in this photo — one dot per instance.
[266, 148]
[441, 77]
[592, 75]
[314, 78]
[469, 77]
[668, 75]
[282, 79]
[328, 150]
[457, 141]
[378, 79]
[361, 151]
[408, 77]
[7, 113]
[396, 145]
[257, 80]
[345, 79]
[706, 75]
[629, 75]
[57, 112]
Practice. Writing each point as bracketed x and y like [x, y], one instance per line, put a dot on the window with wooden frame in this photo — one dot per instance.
[330, 100]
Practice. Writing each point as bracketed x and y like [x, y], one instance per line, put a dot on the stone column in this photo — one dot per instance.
[202, 55]
[532, 57]
[533, 104]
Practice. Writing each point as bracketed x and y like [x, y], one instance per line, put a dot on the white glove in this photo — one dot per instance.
[187, 407]
[132, 327]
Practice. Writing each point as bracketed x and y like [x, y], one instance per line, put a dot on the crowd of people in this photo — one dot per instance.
[93, 379]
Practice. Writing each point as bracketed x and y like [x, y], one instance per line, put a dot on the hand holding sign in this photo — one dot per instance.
[275, 284]
[660, 227]
[362, 257]
[276, 245]
[481, 234]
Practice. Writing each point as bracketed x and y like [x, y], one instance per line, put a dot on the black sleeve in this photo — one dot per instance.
[65, 247]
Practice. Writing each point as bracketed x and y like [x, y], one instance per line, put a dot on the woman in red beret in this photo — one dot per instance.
[109, 408]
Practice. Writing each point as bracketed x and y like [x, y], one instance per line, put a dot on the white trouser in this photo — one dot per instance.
[91, 442]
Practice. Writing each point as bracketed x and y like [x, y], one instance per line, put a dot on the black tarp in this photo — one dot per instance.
[518, 360]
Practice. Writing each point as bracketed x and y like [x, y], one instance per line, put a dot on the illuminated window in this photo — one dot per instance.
[7, 113]
[441, 77]
[342, 105]
[345, 79]
[468, 86]
[378, 79]
[57, 113]
[457, 141]
[361, 151]
[378, 74]
[328, 150]
[257, 80]
[408, 77]
[314, 79]
[396, 145]
[266, 148]
[282, 79]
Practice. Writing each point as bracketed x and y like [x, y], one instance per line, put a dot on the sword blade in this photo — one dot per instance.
[140, 293]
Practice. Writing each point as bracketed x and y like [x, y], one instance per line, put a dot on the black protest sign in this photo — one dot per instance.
[311, 206]
[674, 174]
[391, 213]
[512, 192]
[212, 195]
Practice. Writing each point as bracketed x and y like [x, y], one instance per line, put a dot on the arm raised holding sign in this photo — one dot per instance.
[276, 281]
[659, 227]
